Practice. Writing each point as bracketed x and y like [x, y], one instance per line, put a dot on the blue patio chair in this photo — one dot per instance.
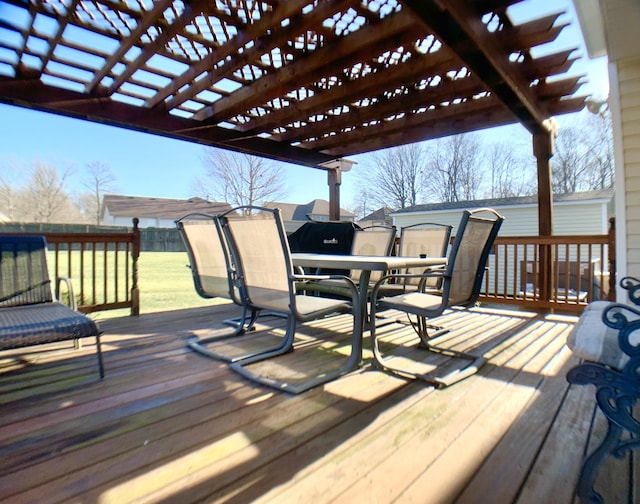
[607, 337]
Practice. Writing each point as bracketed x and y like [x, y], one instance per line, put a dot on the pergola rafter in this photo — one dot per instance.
[302, 81]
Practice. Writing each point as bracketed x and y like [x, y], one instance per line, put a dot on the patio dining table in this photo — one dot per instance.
[366, 264]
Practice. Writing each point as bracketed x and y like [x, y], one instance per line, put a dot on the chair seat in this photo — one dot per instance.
[331, 288]
[34, 324]
[418, 300]
[592, 340]
[312, 306]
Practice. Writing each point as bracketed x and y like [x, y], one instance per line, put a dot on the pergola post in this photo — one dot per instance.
[543, 150]
[334, 179]
[334, 169]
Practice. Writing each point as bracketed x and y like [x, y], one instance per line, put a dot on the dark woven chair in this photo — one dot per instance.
[29, 314]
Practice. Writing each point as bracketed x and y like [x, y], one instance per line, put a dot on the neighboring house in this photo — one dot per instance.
[381, 217]
[581, 213]
[118, 210]
[295, 215]
[611, 27]
[573, 214]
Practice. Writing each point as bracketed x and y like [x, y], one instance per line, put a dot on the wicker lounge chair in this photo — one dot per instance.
[29, 315]
[461, 282]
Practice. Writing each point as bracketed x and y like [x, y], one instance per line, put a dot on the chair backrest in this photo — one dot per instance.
[428, 239]
[372, 241]
[211, 266]
[474, 238]
[24, 275]
[258, 241]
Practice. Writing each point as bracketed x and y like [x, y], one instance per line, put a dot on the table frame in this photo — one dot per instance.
[366, 264]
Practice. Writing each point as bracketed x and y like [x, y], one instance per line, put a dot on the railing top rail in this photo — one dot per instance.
[81, 237]
[553, 240]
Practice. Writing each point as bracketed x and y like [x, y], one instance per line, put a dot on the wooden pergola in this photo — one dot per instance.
[302, 81]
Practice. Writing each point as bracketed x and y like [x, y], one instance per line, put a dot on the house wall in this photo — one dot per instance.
[626, 84]
[144, 222]
[570, 218]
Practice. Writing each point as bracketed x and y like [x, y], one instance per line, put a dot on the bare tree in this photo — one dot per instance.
[601, 157]
[8, 199]
[394, 178]
[569, 162]
[508, 174]
[238, 179]
[44, 198]
[455, 168]
[362, 205]
[583, 158]
[98, 180]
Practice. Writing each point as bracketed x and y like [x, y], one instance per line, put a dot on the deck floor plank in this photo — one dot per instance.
[432, 436]
[170, 425]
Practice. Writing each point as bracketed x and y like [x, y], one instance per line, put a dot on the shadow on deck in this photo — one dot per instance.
[169, 425]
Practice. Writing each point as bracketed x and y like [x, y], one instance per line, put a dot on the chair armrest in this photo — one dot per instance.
[632, 285]
[304, 276]
[69, 284]
[431, 273]
[436, 272]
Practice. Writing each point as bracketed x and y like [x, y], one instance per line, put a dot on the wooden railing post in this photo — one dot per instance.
[612, 259]
[135, 254]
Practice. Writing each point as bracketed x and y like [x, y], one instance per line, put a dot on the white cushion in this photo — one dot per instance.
[591, 339]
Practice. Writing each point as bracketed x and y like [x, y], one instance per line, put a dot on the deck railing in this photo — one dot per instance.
[103, 268]
[546, 273]
[551, 273]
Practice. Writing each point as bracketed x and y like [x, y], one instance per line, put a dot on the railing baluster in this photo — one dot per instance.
[571, 279]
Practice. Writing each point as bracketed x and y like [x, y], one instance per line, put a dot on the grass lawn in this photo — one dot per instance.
[165, 284]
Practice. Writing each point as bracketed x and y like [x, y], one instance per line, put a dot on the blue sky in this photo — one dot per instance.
[149, 165]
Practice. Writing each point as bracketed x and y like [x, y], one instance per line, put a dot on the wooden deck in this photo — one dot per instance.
[169, 425]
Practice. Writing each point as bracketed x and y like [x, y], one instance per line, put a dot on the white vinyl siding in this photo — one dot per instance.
[629, 88]
[573, 218]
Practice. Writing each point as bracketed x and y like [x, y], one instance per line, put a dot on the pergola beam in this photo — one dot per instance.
[461, 29]
[34, 94]
[297, 81]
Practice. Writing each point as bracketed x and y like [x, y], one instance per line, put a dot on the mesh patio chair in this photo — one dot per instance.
[428, 239]
[423, 239]
[29, 314]
[461, 283]
[368, 241]
[258, 241]
[214, 275]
